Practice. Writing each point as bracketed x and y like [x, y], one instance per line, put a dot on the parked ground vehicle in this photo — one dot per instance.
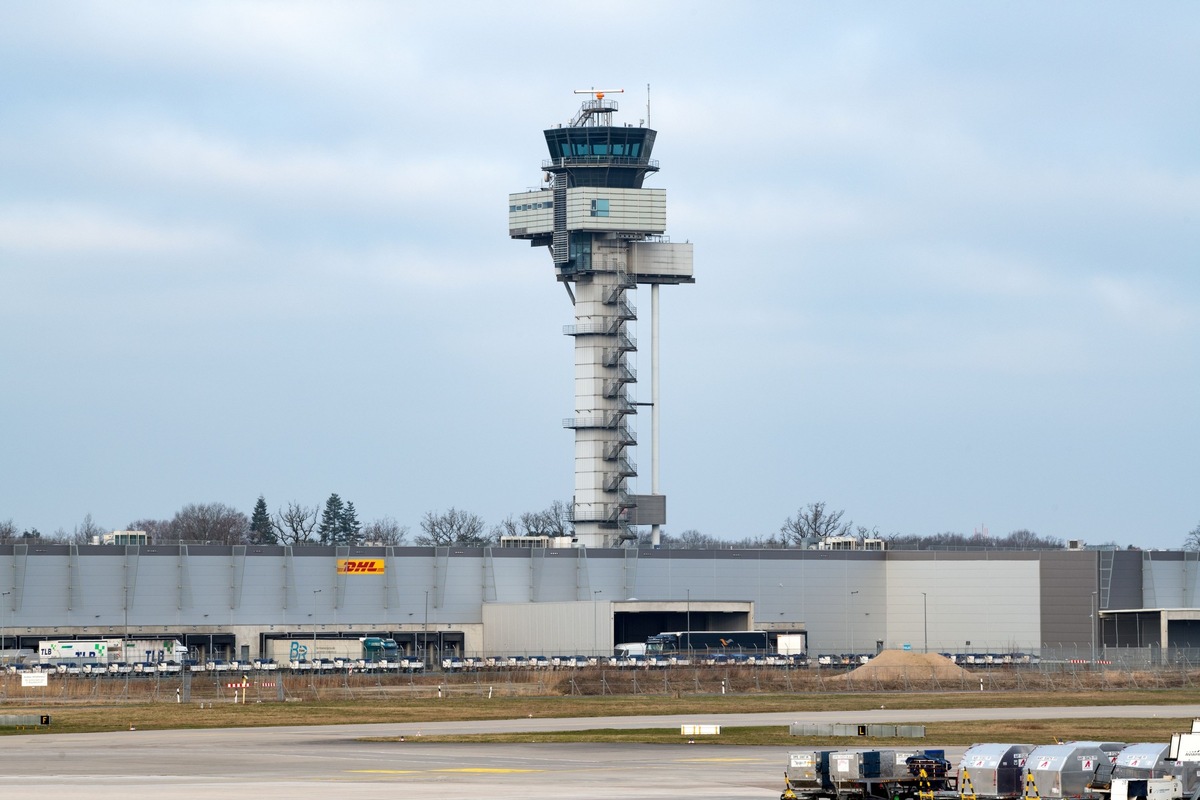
[708, 642]
[376, 648]
[866, 775]
[1095, 770]
[792, 644]
[627, 649]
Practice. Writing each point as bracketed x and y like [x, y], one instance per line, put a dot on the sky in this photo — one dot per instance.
[945, 256]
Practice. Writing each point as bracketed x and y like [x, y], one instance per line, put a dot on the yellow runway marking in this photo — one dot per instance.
[386, 771]
[709, 760]
[498, 771]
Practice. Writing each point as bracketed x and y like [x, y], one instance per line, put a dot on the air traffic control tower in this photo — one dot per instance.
[605, 234]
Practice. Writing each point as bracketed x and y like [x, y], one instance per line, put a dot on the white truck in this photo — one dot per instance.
[92, 651]
[108, 651]
[792, 644]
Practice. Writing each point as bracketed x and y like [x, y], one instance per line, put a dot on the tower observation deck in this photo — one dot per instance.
[604, 230]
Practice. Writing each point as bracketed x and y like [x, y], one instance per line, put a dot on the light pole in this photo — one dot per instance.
[1093, 608]
[313, 657]
[688, 624]
[595, 631]
[425, 634]
[851, 625]
[925, 617]
[4, 626]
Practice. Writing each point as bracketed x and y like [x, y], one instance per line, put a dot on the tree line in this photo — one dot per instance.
[337, 523]
[816, 521]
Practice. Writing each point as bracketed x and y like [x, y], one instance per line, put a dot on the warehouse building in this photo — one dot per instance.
[232, 601]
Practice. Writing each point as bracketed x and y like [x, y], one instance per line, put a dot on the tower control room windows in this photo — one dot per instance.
[600, 207]
[600, 143]
[602, 149]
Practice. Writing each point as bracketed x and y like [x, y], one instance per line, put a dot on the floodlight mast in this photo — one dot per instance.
[604, 232]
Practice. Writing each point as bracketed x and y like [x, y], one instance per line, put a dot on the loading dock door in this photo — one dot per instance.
[634, 621]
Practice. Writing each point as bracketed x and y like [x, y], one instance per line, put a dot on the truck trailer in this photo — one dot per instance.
[367, 649]
[107, 651]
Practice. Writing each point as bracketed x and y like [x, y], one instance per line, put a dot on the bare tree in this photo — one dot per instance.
[772, 541]
[385, 532]
[645, 540]
[215, 523]
[863, 532]
[86, 531]
[295, 524]
[1024, 539]
[552, 521]
[452, 527]
[510, 527]
[8, 531]
[539, 523]
[1017, 540]
[814, 522]
[946, 540]
[157, 530]
[556, 520]
[690, 539]
[1192, 542]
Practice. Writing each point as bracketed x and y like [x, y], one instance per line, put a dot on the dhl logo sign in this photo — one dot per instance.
[360, 566]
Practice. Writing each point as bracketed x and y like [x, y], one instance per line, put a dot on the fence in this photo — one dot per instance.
[253, 686]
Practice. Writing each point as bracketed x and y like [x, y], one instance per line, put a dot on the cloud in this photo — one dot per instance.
[178, 160]
[899, 204]
[64, 228]
[963, 270]
[1140, 306]
[297, 41]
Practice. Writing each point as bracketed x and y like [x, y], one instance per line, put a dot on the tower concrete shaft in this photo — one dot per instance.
[603, 407]
[604, 231]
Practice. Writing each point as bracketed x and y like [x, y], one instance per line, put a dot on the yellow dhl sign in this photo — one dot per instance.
[360, 566]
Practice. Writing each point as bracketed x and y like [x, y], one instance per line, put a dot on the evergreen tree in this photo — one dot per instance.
[329, 531]
[261, 529]
[349, 528]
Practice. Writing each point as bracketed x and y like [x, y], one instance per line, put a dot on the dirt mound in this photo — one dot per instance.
[895, 664]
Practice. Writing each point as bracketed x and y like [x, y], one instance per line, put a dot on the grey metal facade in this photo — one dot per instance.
[1070, 598]
[847, 601]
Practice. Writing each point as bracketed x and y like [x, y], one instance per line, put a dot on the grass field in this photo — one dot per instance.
[82, 716]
